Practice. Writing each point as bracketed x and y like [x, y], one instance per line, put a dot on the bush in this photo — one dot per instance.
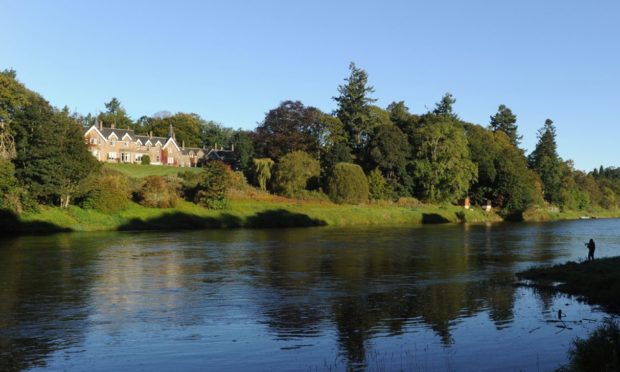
[378, 188]
[348, 184]
[157, 192]
[146, 160]
[293, 173]
[212, 187]
[108, 192]
[9, 187]
[599, 352]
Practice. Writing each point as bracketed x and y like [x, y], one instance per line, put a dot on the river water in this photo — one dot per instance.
[427, 298]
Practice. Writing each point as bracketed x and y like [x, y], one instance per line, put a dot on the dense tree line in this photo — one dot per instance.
[358, 152]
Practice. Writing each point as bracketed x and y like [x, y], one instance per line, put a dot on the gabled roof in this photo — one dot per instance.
[119, 133]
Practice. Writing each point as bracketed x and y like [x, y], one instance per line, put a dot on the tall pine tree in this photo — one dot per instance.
[505, 121]
[545, 161]
[354, 108]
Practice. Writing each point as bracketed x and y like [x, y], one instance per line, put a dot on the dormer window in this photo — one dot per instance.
[113, 142]
[126, 143]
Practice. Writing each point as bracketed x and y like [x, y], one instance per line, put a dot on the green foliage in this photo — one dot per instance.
[244, 150]
[9, 187]
[293, 173]
[545, 161]
[157, 192]
[505, 121]
[289, 127]
[599, 352]
[107, 192]
[212, 188]
[187, 127]
[213, 133]
[262, 171]
[348, 184]
[442, 166]
[115, 115]
[444, 107]
[503, 176]
[378, 188]
[389, 151]
[354, 108]
[52, 159]
[145, 160]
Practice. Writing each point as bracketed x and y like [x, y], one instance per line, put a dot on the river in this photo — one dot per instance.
[424, 298]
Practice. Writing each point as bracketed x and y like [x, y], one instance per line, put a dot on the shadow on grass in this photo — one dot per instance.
[183, 221]
[10, 224]
[433, 218]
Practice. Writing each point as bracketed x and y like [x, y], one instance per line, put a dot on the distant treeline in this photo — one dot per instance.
[357, 153]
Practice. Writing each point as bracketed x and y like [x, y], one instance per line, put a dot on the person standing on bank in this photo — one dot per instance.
[591, 247]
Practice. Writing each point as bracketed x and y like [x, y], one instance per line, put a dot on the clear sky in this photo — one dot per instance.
[232, 61]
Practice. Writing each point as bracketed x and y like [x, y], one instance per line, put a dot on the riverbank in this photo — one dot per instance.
[598, 281]
[262, 210]
[242, 213]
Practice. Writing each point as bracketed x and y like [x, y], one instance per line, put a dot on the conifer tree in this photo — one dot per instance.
[505, 121]
[545, 161]
[354, 108]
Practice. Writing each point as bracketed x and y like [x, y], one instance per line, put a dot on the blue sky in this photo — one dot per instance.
[232, 61]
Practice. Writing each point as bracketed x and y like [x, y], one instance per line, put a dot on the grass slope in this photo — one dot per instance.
[141, 171]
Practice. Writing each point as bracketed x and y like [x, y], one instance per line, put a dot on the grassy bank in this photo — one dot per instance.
[551, 214]
[262, 212]
[596, 281]
[138, 171]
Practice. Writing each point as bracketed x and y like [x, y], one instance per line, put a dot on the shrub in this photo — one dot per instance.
[146, 160]
[599, 352]
[378, 188]
[212, 187]
[262, 171]
[293, 173]
[9, 187]
[156, 192]
[348, 184]
[408, 202]
[108, 192]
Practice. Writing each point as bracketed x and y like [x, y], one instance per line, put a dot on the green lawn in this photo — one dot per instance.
[140, 171]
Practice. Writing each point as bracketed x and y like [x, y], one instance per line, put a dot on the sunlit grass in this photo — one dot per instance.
[140, 171]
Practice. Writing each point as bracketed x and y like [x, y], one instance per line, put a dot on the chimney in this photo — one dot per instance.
[151, 134]
[183, 145]
[215, 148]
[232, 147]
[113, 126]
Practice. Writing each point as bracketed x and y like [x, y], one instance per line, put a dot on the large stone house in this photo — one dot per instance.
[124, 146]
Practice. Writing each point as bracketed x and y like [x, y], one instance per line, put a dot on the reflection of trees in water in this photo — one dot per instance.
[369, 289]
[42, 298]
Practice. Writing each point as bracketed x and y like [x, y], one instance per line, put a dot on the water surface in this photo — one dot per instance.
[409, 298]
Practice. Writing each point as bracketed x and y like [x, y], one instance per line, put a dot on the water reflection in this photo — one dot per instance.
[280, 297]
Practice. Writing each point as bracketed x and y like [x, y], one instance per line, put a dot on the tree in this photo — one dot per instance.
[9, 187]
[290, 127]
[244, 150]
[262, 171]
[213, 133]
[187, 127]
[293, 173]
[378, 188]
[503, 175]
[115, 115]
[505, 121]
[442, 167]
[52, 159]
[348, 184]
[354, 108]
[545, 161]
[444, 107]
[212, 188]
[389, 151]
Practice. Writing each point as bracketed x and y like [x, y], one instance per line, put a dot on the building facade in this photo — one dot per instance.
[124, 146]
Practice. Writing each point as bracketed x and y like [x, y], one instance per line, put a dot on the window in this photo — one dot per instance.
[126, 143]
[113, 142]
[125, 157]
[93, 141]
[157, 159]
[111, 155]
[170, 160]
